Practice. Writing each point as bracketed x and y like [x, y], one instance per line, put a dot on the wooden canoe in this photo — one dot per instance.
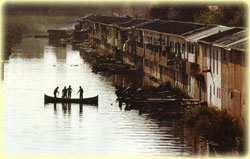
[91, 100]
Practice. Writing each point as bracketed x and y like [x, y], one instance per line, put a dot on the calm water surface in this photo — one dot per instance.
[30, 127]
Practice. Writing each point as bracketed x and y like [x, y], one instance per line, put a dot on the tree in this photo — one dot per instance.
[175, 12]
[230, 15]
[226, 14]
[159, 12]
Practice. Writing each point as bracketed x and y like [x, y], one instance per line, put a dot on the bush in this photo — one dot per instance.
[216, 125]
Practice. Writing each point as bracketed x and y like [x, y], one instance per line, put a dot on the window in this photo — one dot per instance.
[183, 48]
[231, 56]
[197, 49]
[217, 61]
[210, 55]
[205, 51]
[173, 44]
[163, 53]
[217, 92]
[214, 90]
[176, 47]
[162, 40]
[189, 83]
[210, 92]
[224, 55]
[213, 61]
[243, 58]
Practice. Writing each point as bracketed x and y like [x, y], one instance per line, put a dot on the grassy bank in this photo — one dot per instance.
[222, 130]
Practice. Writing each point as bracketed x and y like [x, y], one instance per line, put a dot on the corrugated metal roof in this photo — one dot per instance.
[221, 35]
[242, 45]
[108, 19]
[206, 33]
[236, 40]
[172, 27]
[133, 22]
[232, 38]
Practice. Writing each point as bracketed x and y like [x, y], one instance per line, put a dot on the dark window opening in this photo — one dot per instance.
[231, 56]
[224, 55]
[217, 62]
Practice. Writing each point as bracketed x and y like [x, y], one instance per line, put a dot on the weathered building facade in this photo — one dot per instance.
[207, 62]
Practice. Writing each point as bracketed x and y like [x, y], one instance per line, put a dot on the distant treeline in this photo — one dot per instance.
[45, 9]
[230, 14]
[74, 9]
[17, 27]
[13, 35]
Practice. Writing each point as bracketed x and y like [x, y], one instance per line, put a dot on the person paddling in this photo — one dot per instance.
[81, 92]
[56, 91]
[69, 91]
[64, 92]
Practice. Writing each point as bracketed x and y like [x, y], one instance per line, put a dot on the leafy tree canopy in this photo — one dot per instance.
[226, 14]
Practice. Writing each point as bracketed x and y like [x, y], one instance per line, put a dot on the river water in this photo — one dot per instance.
[32, 128]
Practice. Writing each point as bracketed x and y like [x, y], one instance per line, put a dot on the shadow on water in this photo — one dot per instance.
[66, 108]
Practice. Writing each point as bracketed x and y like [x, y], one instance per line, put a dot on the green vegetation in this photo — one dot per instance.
[217, 126]
[223, 14]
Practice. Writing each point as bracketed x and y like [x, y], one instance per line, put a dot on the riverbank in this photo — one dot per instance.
[202, 119]
[222, 130]
[209, 121]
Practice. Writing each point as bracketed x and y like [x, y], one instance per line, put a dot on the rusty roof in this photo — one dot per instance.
[242, 45]
[232, 38]
[172, 27]
[237, 40]
[220, 35]
[108, 19]
[206, 32]
[133, 22]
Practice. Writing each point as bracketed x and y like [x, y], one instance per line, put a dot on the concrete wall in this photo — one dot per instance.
[214, 77]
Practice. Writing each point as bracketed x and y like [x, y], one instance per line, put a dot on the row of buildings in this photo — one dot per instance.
[207, 62]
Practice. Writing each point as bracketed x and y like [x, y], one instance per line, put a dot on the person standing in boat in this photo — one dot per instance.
[69, 91]
[56, 91]
[81, 92]
[64, 92]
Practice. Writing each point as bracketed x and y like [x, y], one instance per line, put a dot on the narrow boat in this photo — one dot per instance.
[91, 100]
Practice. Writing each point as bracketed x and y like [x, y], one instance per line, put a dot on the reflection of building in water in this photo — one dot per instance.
[189, 137]
[53, 54]
[56, 42]
[60, 52]
[29, 48]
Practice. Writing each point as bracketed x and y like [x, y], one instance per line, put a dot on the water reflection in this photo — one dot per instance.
[56, 43]
[66, 108]
[30, 48]
[81, 108]
[81, 129]
[60, 53]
